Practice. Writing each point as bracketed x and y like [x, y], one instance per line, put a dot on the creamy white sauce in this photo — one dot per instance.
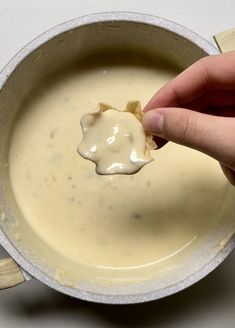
[115, 140]
[109, 222]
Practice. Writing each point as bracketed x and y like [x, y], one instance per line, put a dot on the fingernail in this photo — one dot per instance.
[153, 122]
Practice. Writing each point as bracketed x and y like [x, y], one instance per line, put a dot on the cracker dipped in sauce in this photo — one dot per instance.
[116, 140]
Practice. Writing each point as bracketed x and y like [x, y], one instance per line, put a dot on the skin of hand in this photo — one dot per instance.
[197, 109]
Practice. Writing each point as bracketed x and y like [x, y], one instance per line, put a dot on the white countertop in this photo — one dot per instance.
[209, 303]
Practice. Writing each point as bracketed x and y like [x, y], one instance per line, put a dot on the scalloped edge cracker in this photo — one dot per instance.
[148, 144]
[134, 107]
[103, 107]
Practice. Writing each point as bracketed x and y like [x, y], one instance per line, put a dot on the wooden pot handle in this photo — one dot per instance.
[10, 273]
[226, 40]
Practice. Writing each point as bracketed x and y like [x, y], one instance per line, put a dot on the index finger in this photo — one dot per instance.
[207, 74]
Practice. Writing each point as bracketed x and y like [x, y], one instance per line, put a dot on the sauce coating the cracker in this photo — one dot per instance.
[115, 140]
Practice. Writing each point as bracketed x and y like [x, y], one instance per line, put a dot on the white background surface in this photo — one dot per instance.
[209, 303]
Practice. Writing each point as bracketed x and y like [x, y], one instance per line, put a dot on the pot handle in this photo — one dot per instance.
[10, 273]
[225, 40]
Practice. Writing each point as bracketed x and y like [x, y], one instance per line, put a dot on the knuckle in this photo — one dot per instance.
[188, 128]
[203, 65]
[181, 127]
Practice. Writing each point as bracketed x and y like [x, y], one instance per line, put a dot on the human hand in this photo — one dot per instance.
[197, 109]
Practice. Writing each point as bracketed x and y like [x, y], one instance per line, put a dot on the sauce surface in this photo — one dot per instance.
[116, 222]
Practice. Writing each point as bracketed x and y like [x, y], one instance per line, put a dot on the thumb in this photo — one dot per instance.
[210, 134]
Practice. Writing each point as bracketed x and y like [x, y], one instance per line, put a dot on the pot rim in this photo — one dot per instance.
[8, 70]
[99, 18]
